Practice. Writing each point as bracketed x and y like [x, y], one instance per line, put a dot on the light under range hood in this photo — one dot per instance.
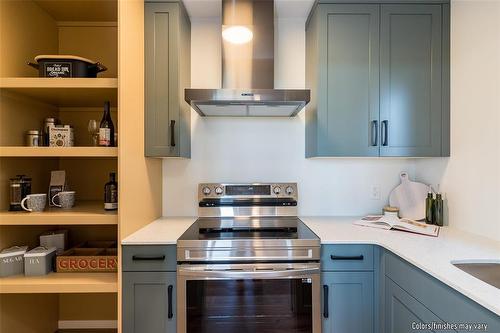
[248, 69]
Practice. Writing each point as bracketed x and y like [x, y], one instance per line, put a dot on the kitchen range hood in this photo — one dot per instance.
[247, 68]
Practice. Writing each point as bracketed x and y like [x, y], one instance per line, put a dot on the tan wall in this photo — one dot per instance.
[38, 313]
[20, 43]
[87, 307]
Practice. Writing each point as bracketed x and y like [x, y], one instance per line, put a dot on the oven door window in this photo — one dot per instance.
[227, 306]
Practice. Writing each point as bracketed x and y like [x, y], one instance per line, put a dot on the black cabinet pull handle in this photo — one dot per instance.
[148, 258]
[325, 301]
[385, 132]
[334, 257]
[374, 132]
[172, 133]
[169, 291]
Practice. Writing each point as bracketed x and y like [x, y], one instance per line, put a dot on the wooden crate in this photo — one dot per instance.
[89, 257]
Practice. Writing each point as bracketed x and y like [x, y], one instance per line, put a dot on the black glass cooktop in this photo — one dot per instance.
[235, 233]
[248, 228]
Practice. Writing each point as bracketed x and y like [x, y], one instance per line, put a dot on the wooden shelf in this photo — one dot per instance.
[60, 283]
[84, 213]
[22, 151]
[64, 91]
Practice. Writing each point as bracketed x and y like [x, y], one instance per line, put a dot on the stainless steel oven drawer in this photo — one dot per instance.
[347, 257]
[248, 254]
[149, 258]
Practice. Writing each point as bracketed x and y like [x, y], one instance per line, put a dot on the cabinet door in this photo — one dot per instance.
[410, 80]
[348, 118]
[149, 302]
[348, 305]
[161, 80]
[403, 313]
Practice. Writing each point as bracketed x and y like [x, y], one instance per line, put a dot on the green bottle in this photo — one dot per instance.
[429, 207]
[438, 210]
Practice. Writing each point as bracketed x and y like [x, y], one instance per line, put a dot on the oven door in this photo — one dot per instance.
[237, 298]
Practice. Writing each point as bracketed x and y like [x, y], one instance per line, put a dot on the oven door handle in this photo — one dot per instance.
[257, 273]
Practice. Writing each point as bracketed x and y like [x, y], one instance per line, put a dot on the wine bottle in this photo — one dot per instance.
[437, 217]
[429, 207]
[111, 193]
[106, 129]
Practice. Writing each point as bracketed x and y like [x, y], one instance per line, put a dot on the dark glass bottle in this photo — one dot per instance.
[437, 217]
[429, 207]
[111, 193]
[106, 128]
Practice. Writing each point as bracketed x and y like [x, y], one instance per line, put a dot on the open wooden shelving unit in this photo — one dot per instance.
[88, 29]
[103, 31]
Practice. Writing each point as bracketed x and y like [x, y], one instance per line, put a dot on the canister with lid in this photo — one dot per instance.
[12, 260]
[39, 261]
[33, 138]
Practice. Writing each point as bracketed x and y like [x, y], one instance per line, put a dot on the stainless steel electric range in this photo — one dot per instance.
[248, 264]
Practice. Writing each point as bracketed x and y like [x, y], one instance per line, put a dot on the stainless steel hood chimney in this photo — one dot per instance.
[247, 67]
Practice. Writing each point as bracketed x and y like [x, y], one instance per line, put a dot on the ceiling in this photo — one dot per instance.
[283, 8]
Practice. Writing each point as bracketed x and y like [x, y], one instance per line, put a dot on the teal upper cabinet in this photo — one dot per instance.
[379, 82]
[411, 80]
[167, 40]
[343, 75]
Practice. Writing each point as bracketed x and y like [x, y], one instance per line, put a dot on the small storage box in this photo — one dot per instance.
[61, 136]
[39, 261]
[12, 261]
[57, 239]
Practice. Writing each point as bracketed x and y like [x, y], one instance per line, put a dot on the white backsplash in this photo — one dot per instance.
[269, 149]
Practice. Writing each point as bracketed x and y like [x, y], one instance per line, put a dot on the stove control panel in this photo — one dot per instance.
[253, 191]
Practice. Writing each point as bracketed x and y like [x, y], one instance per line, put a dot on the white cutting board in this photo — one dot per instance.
[410, 197]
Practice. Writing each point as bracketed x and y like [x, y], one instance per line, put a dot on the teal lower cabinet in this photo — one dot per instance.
[149, 302]
[348, 305]
[348, 288]
[404, 313]
[414, 301]
[149, 289]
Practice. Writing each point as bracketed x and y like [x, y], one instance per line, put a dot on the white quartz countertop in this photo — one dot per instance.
[163, 231]
[431, 254]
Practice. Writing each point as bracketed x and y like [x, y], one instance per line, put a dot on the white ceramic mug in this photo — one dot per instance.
[34, 202]
[66, 199]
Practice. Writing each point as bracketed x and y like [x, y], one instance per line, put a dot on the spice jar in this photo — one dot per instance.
[391, 211]
[33, 138]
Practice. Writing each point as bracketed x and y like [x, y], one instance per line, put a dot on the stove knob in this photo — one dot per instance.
[206, 190]
[219, 190]
[289, 190]
[277, 190]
